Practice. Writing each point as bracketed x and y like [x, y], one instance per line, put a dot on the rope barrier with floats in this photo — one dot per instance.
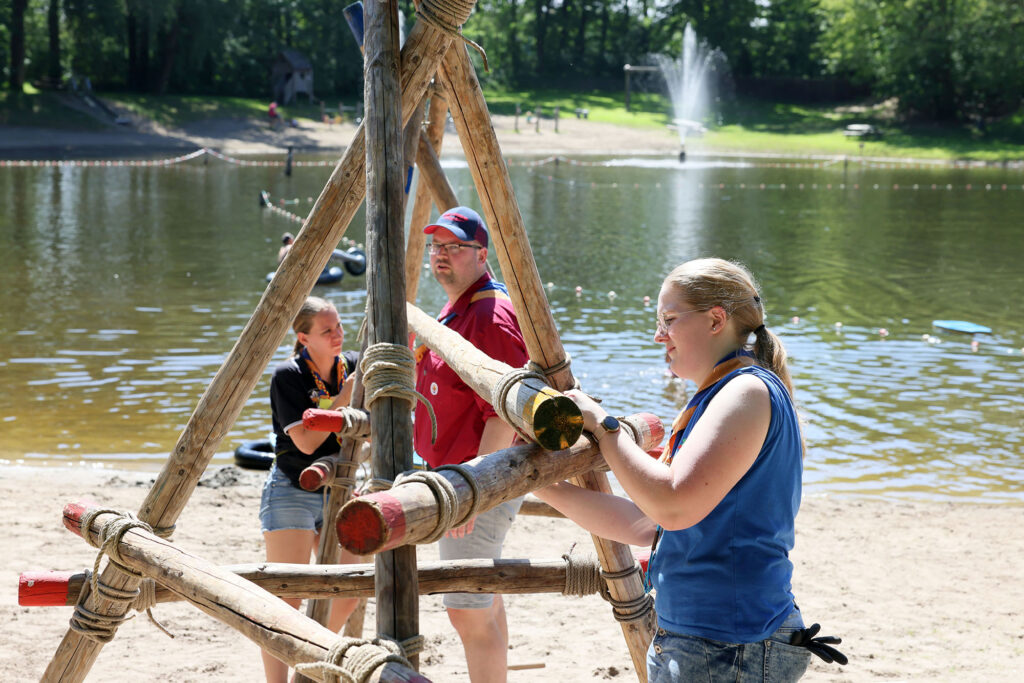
[812, 161]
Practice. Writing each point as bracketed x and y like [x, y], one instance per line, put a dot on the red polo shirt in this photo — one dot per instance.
[484, 316]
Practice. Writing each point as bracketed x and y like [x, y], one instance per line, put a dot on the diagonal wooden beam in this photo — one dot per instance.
[519, 270]
[224, 399]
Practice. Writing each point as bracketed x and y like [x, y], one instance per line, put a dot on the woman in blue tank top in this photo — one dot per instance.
[719, 506]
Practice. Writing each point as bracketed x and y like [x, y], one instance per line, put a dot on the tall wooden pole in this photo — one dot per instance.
[390, 418]
[437, 114]
[472, 121]
[231, 387]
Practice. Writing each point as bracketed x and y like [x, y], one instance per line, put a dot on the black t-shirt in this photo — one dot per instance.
[292, 391]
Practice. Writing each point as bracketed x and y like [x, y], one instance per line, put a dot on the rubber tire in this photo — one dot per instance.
[356, 267]
[255, 455]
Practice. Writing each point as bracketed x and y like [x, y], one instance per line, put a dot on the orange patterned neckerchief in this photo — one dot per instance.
[321, 386]
[735, 361]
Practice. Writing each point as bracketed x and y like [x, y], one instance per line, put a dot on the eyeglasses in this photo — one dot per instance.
[664, 322]
[452, 248]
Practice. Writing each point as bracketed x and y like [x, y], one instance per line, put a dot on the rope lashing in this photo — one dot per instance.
[390, 370]
[354, 416]
[556, 368]
[446, 497]
[499, 394]
[353, 660]
[448, 16]
[102, 627]
[627, 610]
[582, 575]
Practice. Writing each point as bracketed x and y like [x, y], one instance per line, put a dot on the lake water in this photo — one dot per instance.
[124, 288]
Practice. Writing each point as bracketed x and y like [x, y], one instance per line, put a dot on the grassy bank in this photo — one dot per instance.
[742, 126]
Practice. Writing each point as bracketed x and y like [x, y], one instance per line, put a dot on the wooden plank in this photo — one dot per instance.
[519, 270]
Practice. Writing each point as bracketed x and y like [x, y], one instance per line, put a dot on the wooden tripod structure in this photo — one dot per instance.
[397, 84]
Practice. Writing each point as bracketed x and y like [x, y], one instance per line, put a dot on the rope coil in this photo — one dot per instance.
[353, 660]
[582, 575]
[627, 610]
[448, 16]
[102, 627]
[390, 370]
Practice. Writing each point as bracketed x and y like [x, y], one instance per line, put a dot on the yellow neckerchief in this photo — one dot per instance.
[321, 386]
[731, 363]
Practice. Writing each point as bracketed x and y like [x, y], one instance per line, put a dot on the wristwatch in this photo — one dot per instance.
[607, 425]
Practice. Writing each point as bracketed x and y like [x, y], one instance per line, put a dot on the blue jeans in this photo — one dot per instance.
[675, 658]
[283, 506]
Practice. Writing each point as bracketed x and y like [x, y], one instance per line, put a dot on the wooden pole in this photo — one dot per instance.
[231, 387]
[550, 418]
[409, 513]
[390, 417]
[433, 175]
[326, 582]
[472, 121]
[249, 609]
[437, 115]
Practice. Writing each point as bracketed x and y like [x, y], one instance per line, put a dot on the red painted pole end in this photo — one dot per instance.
[44, 589]
[319, 420]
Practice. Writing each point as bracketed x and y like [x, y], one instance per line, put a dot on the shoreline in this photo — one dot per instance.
[249, 137]
[904, 585]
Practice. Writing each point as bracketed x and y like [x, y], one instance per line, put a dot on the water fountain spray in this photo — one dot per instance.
[688, 83]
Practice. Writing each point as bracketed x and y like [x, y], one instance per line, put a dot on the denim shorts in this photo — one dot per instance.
[484, 542]
[284, 506]
[675, 658]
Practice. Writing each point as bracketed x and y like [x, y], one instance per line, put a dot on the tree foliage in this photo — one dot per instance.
[942, 59]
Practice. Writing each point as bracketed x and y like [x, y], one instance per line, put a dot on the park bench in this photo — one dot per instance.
[862, 130]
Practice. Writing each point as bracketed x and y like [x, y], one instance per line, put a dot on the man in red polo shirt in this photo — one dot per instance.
[479, 309]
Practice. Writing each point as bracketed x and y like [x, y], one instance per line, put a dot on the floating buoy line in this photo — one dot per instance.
[750, 161]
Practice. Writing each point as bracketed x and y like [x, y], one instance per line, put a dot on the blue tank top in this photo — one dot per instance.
[728, 577]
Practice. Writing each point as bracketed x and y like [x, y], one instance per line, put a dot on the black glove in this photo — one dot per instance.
[821, 646]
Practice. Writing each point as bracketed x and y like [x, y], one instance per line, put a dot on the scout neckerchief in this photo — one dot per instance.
[732, 362]
[491, 289]
[323, 395]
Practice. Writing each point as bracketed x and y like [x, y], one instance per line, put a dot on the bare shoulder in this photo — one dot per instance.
[744, 394]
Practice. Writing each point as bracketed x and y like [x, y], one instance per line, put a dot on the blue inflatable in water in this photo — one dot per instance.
[961, 326]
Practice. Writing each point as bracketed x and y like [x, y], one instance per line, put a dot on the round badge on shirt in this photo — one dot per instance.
[433, 388]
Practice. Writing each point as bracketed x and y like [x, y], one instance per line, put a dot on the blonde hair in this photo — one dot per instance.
[709, 282]
[311, 308]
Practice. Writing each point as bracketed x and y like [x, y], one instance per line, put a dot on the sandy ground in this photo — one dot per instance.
[918, 591]
[249, 136]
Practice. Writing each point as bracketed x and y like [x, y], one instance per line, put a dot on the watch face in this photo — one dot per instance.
[610, 423]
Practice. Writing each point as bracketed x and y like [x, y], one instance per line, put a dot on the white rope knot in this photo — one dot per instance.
[390, 370]
[353, 660]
